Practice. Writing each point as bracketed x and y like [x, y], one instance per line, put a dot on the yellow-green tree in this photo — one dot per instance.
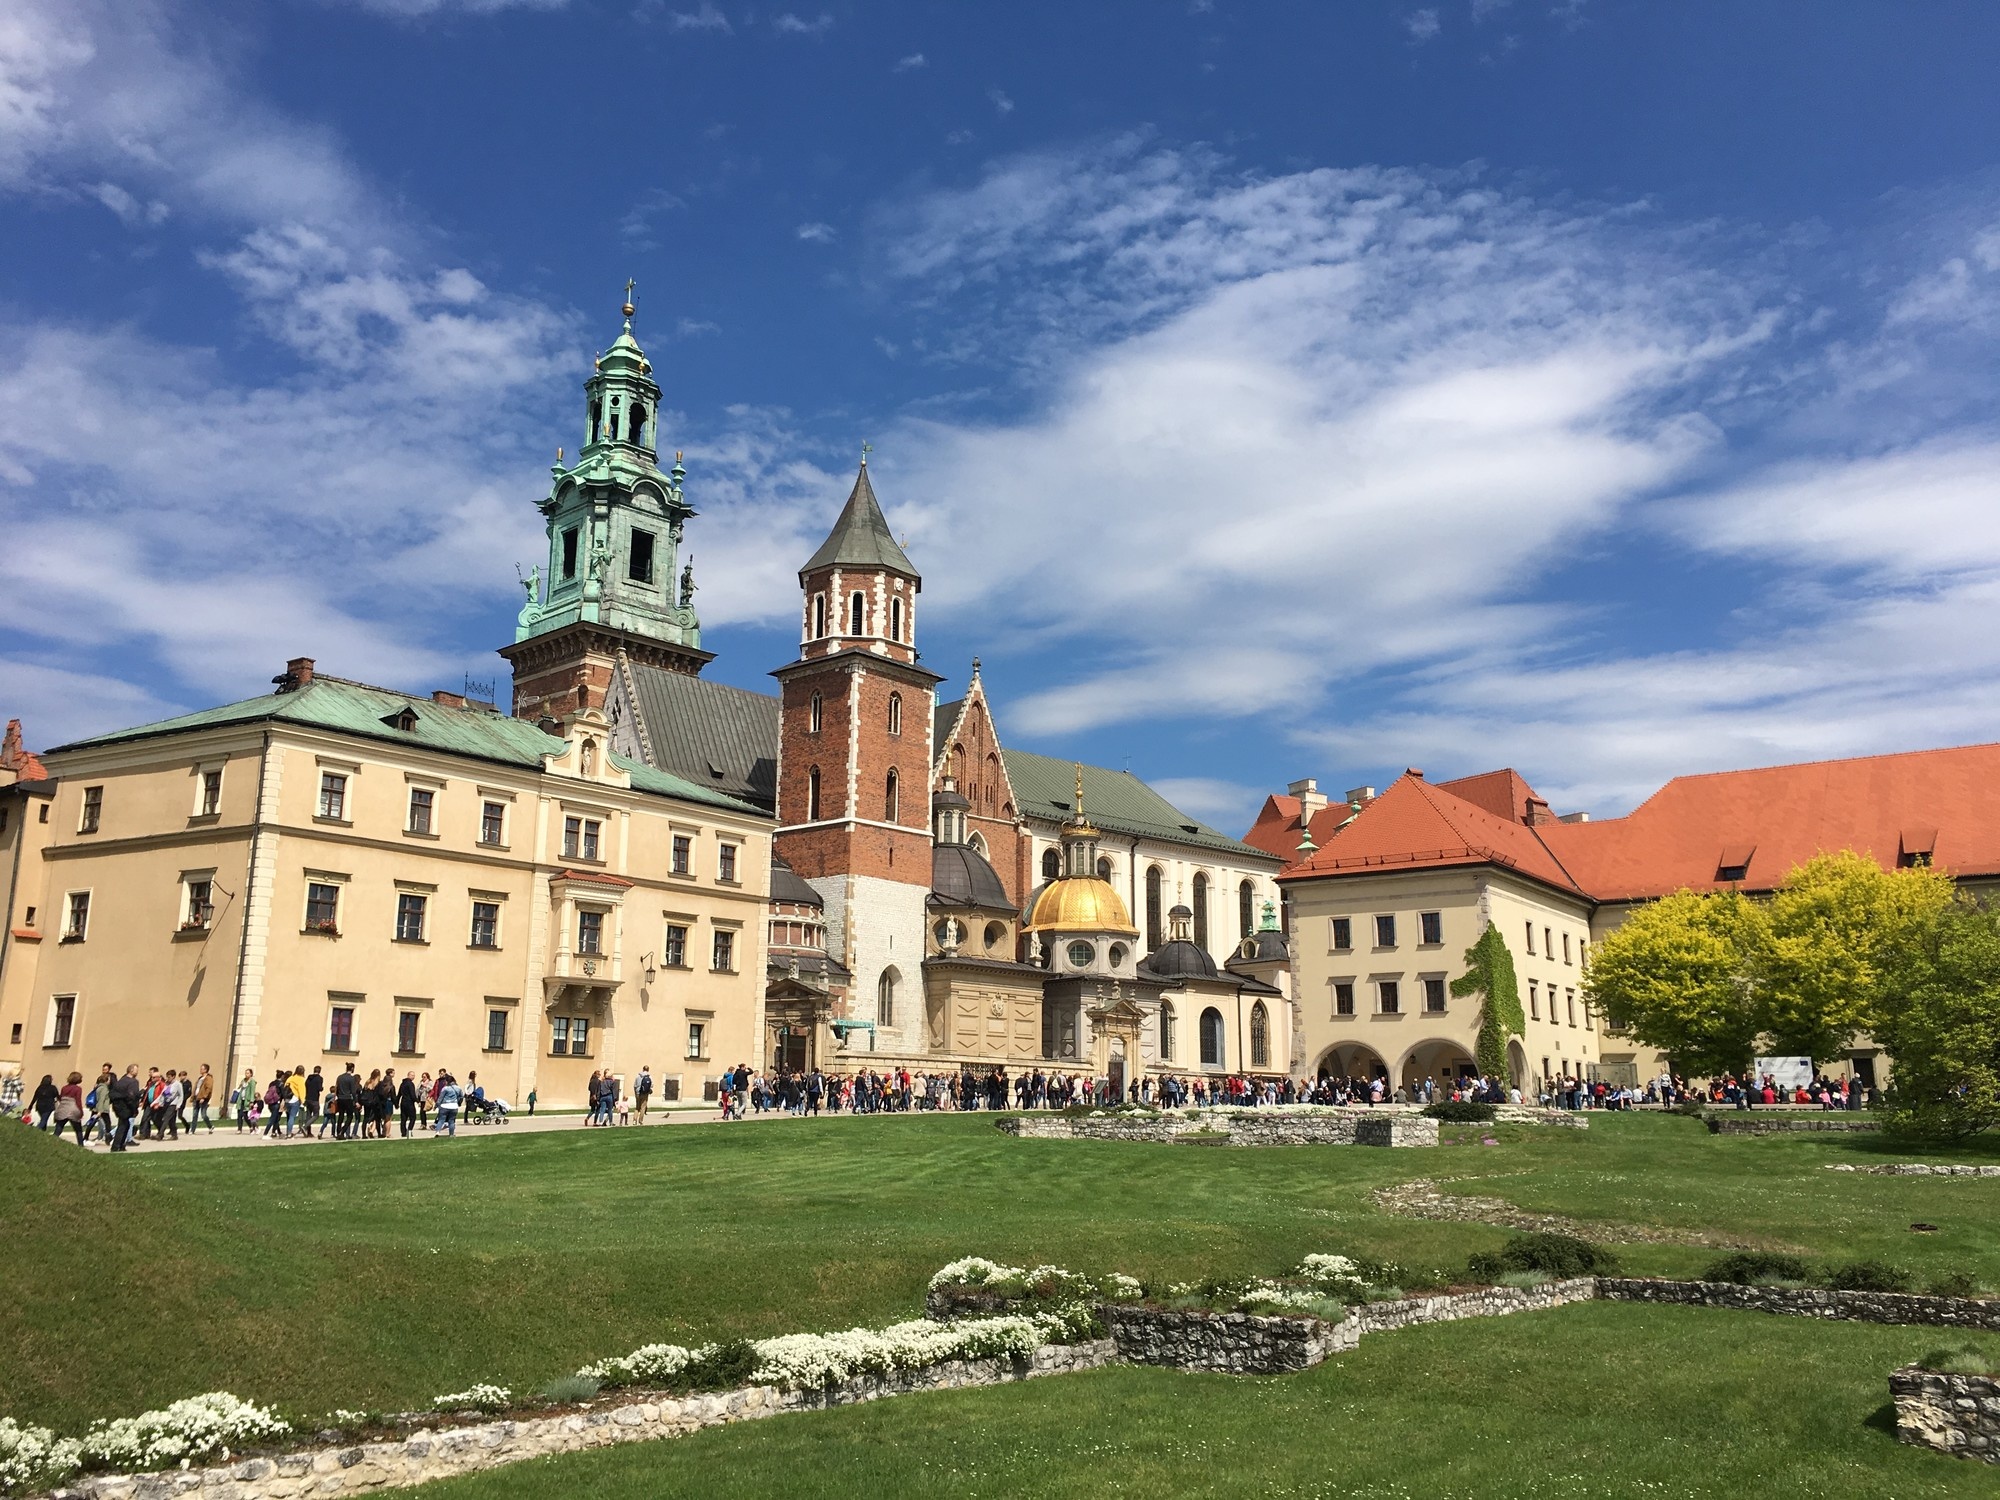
[1676, 975]
[1941, 1024]
[1832, 949]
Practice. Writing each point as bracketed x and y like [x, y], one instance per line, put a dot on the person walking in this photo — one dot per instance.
[69, 1107]
[642, 1091]
[44, 1099]
[126, 1093]
[406, 1102]
[98, 1102]
[204, 1095]
[448, 1100]
[243, 1099]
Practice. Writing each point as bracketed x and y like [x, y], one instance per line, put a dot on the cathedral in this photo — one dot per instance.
[937, 901]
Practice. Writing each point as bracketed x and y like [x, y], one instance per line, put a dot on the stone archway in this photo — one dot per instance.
[1517, 1067]
[1350, 1060]
[1443, 1062]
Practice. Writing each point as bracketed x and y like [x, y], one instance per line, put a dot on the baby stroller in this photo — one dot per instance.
[482, 1110]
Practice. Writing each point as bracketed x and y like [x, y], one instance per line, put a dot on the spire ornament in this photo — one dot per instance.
[630, 307]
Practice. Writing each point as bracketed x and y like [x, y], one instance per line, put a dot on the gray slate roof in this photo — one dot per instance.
[861, 537]
[711, 733]
[1117, 802]
[942, 718]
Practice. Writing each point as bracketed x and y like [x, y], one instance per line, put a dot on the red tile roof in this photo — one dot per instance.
[1276, 830]
[590, 877]
[1768, 821]
[15, 757]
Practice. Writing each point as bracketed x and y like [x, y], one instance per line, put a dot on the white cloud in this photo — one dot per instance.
[910, 63]
[1001, 103]
[694, 328]
[791, 25]
[817, 233]
[129, 209]
[1482, 9]
[1228, 805]
[704, 17]
[1423, 25]
[410, 10]
[640, 226]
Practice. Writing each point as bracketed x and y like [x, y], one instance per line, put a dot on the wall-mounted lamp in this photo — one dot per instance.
[646, 963]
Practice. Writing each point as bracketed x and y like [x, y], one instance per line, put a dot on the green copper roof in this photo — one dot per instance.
[356, 709]
[860, 538]
[1116, 801]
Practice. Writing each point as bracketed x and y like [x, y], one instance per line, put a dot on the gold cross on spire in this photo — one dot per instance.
[629, 308]
[1079, 791]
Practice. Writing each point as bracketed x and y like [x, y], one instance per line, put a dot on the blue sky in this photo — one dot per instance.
[1600, 388]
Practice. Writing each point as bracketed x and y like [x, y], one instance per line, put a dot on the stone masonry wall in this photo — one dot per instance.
[1808, 1302]
[1756, 1122]
[1495, 1302]
[1321, 1127]
[1232, 1343]
[1955, 1414]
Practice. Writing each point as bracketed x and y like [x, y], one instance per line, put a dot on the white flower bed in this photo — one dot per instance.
[1122, 1288]
[33, 1458]
[976, 1270]
[477, 1398]
[799, 1361]
[650, 1365]
[194, 1428]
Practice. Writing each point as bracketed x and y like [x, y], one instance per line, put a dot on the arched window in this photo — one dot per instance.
[1051, 864]
[1201, 911]
[1166, 1031]
[1152, 907]
[635, 425]
[812, 795]
[1260, 1036]
[895, 619]
[1103, 868]
[977, 845]
[885, 997]
[895, 713]
[1246, 908]
[596, 420]
[889, 798]
[855, 605]
[819, 616]
[1212, 1053]
[817, 707]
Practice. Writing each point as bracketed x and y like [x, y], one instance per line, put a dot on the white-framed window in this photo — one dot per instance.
[725, 863]
[207, 791]
[683, 854]
[582, 837]
[197, 900]
[812, 795]
[1534, 1001]
[493, 823]
[569, 1036]
[1569, 998]
[340, 1024]
[409, 1033]
[819, 616]
[895, 624]
[724, 951]
[323, 893]
[1433, 996]
[816, 716]
[92, 814]
[333, 796]
[590, 930]
[496, 1029]
[1385, 931]
[423, 808]
[697, 1039]
[1388, 997]
[485, 924]
[61, 1029]
[1343, 997]
[1340, 934]
[1565, 947]
[76, 917]
[1430, 925]
[674, 950]
[412, 912]
[896, 709]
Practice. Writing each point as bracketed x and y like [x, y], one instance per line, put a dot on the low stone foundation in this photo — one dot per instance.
[1230, 1343]
[1328, 1126]
[1914, 1169]
[1767, 1122]
[1493, 1302]
[1808, 1302]
[1955, 1414]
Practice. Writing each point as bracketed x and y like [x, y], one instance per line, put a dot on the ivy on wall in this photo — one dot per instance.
[1489, 972]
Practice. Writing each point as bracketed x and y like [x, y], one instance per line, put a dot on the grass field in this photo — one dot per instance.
[375, 1276]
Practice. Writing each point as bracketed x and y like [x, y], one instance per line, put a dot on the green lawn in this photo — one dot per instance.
[375, 1276]
[1587, 1401]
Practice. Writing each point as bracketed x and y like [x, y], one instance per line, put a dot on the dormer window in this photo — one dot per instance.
[1914, 848]
[404, 719]
[1734, 864]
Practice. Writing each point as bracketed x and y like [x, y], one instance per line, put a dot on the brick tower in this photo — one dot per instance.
[854, 764]
[614, 527]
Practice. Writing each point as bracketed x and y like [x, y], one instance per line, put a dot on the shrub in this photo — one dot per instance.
[1460, 1112]
[1523, 1279]
[1868, 1276]
[1954, 1284]
[724, 1367]
[1558, 1254]
[1691, 1109]
[1757, 1268]
[189, 1429]
[568, 1390]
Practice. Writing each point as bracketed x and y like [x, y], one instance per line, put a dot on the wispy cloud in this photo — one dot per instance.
[694, 328]
[1423, 25]
[788, 24]
[704, 17]
[1001, 103]
[639, 228]
[910, 63]
[817, 233]
[410, 10]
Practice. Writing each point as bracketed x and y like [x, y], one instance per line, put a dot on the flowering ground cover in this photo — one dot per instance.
[373, 1278]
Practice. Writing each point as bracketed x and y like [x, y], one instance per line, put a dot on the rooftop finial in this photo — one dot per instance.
[1079, 791]
[866, 449]
[629, 308]
[975, 667]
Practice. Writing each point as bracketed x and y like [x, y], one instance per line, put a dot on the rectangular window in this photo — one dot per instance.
[1385, 932]
[1392, 997]
[93, 809]
[200, 905]
[332, 795]
[496, 1031]
[579, 1036]
[1548, 943]
[406, 1030]
[639, 567]
[486, 924]
[580, 837]
[1342, 937]
[1432, 923]
[559, 1035]
[1434, 996]
[422, 801]
[1571, 996]
[77, 926]
[211, 793]
[1531, 939]
[493, 823]
[725, 952]
[1534, 1001]
[62, 1020]
[725, 863]
[410, 912]
[590, 932]
[1343, 998]
[1565, 947]
[340, 1029]
[569, 553]
[676, 948]
[683, 854]
[697, 1039]
[322, 908]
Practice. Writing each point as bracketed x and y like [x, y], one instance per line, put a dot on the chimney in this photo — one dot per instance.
[1414, 773]
[298, 673]
[1574, 818]
[448, 699]
[1360, 796]
[1311, 799]
[1537, 812]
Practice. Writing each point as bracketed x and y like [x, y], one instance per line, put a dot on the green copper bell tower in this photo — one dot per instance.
[614, 580]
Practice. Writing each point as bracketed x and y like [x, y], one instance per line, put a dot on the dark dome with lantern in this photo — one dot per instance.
[1179, 957]
[960, 876]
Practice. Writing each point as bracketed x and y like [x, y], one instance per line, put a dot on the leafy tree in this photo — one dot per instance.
[1489, 971]
[1676, 975]
[1941, 1025]
[1830, 952]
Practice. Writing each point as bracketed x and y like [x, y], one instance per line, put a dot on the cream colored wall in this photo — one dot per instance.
[21, 895]
[151, 995]
[1414, 1043]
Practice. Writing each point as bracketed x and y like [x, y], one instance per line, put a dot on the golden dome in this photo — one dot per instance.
[1080, 903]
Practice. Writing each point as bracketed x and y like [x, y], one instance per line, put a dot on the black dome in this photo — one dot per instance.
[788, 885]
[1265, 946]
[1180, 960]
[960, 876]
